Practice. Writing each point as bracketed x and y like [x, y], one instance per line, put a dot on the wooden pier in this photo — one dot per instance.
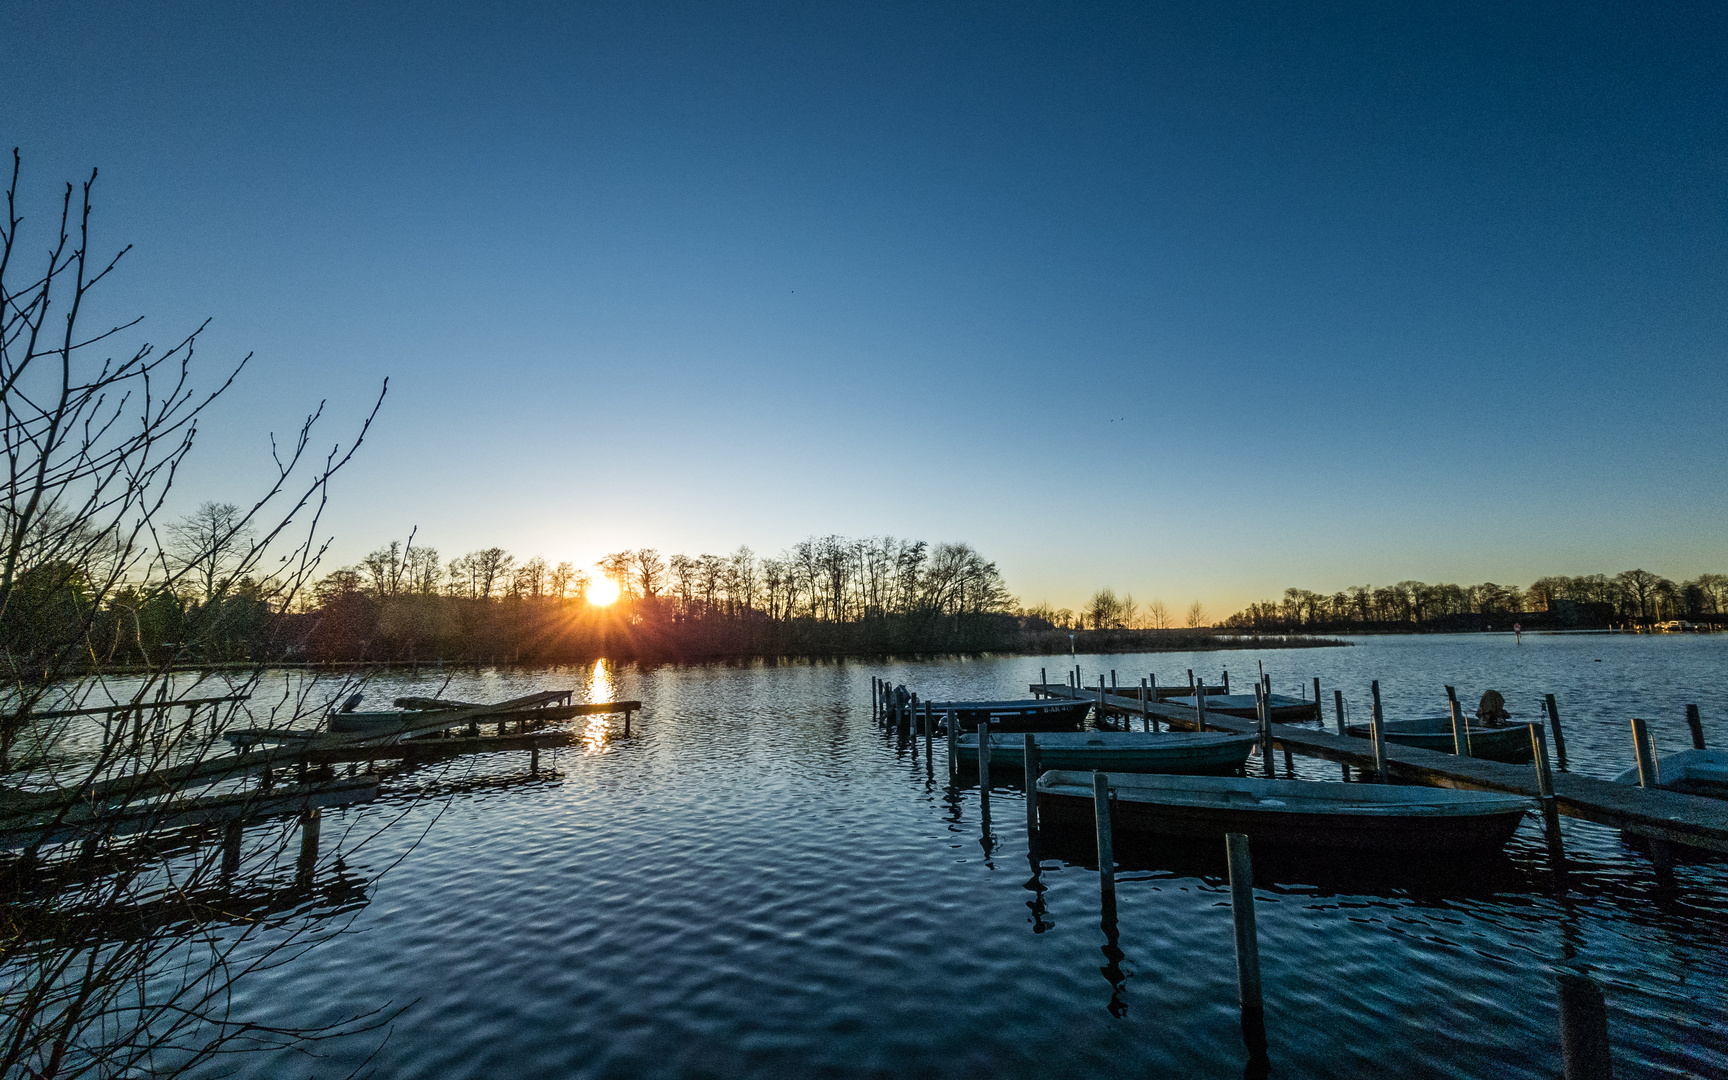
[1652, 813]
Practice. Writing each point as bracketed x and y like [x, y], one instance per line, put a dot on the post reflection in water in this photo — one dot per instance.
[1113, 955]
[1035, 884]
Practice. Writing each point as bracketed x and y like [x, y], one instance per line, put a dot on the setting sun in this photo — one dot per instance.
[603, 591]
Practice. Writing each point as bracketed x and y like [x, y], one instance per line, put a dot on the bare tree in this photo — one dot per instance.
[1157, 615]
[1196, 615]
[121, 955]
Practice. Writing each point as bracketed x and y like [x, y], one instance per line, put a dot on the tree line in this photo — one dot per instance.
[1631, 597]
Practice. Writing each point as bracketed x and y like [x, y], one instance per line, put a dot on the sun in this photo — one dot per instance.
[603, 591]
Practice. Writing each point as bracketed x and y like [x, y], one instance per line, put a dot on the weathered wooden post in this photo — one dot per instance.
[1460, 729]
[953, 725]
[1696, 725]
[1584, 1053]
[1319, 717]
[1545, 792]
[875, 698]
[1377, 722]
[1200, 707]
[1112, 680]
[626, 723]
[1043, 680]
[1190, 682]
[1106, 848]
[1226, 680]
[1099, 723]
[1559, 737]
[1649, 775]
[984, 759]
[929, 738]
[310, 820]
[1247, 943]
[1145, 710]
[534, 759]
[1338, 708]
[231, 834]
[904, 730]
[1031, 761]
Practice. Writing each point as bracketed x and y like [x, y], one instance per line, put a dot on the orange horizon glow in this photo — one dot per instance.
[603, 591]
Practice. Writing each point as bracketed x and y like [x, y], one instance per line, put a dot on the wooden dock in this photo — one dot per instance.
[1659, 815]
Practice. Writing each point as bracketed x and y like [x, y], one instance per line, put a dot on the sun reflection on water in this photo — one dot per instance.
[597, 735]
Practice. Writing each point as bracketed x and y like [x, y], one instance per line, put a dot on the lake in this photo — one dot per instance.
[760, 883]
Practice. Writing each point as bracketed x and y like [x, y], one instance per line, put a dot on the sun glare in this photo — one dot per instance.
[603, 591]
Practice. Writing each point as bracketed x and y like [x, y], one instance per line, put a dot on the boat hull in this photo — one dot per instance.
[1301, 814]
[1190, 754]
[1508, 744]
[1017, 716]
[1690, 772]
[1284, 710]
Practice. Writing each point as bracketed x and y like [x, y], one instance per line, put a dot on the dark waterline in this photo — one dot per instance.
[761, 884]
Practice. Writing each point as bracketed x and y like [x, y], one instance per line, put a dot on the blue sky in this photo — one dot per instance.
[1196, 304]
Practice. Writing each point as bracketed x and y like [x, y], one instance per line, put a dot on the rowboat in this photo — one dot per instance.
[1285, 710]
[1510, 743]
[1128, 751]
[1048, 714]
[1292, 813]
[371, 723]
[1690, 772]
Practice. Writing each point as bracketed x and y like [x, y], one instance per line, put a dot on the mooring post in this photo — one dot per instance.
[1145, 710]
[953, 725]
[1460, 729]
[1696, 725]
[1545, 796]
[1584, 1053]
[1043, 680]
[534, 759]
[1319, 717]
[1649, 775]
[1112, 679]
[1190, 682]
[984, 776]
[1247, 943]
[626, 723]
[1226, 681]
[310, 820]
[873, 699]
[1338, 708]
[929, 738]
[231, 834]
[1100, 721]
[1264, 711]
[1031, 760]
[1559, 738]
[1106, 849]
[1379, 731]
[1200, 707]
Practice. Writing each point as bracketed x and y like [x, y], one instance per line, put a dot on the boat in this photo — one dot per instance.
[1510, 743]
[1127, 751]
[1285, 710]
[1291, 813]
[1690, 772]
[371, 723]
[1046, 714]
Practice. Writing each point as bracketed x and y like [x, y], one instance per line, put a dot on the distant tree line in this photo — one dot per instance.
[828, 594]
[1631, 597]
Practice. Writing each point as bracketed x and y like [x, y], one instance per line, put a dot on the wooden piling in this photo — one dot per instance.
[1460, 729]
[1649, 775]
[953, 727]
[1584, 1053]
[1559, 737]
[1145, 713]
[1031, 760]
[1112, 680]
[534, 760]
[1190, 682]
[1248, 992]
[1697, 726]
[1200, 708]
[1226, 680]
[1319, 717]
[1043, 677]
[310, 822]
[1338, 708]
[231, 836]
[1106, 848]
[1377, 724]
[929, 737]
[984, 757]
[1545, 794]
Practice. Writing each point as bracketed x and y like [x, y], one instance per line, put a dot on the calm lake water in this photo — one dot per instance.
[761, 884]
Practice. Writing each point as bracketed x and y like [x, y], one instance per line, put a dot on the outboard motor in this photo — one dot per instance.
[352, 703]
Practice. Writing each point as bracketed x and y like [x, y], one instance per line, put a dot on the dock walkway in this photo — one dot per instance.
[1661, 815]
